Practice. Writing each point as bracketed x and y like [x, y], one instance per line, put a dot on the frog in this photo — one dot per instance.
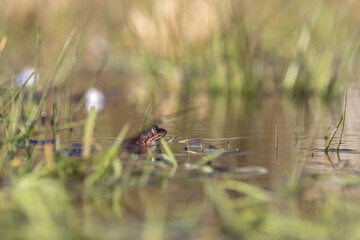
[147, 137]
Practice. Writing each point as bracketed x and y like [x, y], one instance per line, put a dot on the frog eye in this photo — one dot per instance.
[155, 129]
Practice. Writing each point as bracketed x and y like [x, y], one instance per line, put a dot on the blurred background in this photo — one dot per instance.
[186, 48]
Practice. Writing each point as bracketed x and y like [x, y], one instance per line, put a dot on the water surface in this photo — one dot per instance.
[247, 132]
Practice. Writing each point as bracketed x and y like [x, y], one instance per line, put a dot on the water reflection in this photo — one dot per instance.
[300, 125]
[244, 129]
[242, 135]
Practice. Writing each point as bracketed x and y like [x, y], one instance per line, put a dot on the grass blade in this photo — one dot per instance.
[209, 158]
[168, 151]
[343, 122]
[88, 132]
[107, 159]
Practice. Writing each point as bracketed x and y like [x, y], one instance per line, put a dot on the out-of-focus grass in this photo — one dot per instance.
[189, 47]
[243, 48]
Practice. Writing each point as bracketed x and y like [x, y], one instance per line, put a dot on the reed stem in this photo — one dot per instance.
[343, 122]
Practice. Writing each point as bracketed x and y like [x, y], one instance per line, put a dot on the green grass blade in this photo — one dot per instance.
[209, 158]
[168, 151]
[106, 159]
[88, 132]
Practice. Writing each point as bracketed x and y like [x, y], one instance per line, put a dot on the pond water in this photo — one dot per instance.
[246, 129]
[188, 200]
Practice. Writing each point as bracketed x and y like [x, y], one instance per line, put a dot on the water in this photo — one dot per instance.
[213, 199]
[301, 127]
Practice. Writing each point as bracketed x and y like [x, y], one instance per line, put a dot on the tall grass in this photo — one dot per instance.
[245, 48]
[227, 47]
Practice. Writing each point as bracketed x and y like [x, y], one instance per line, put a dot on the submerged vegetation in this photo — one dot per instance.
[59, 181]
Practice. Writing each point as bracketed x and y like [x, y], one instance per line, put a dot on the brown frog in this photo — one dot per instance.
[147, 137]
